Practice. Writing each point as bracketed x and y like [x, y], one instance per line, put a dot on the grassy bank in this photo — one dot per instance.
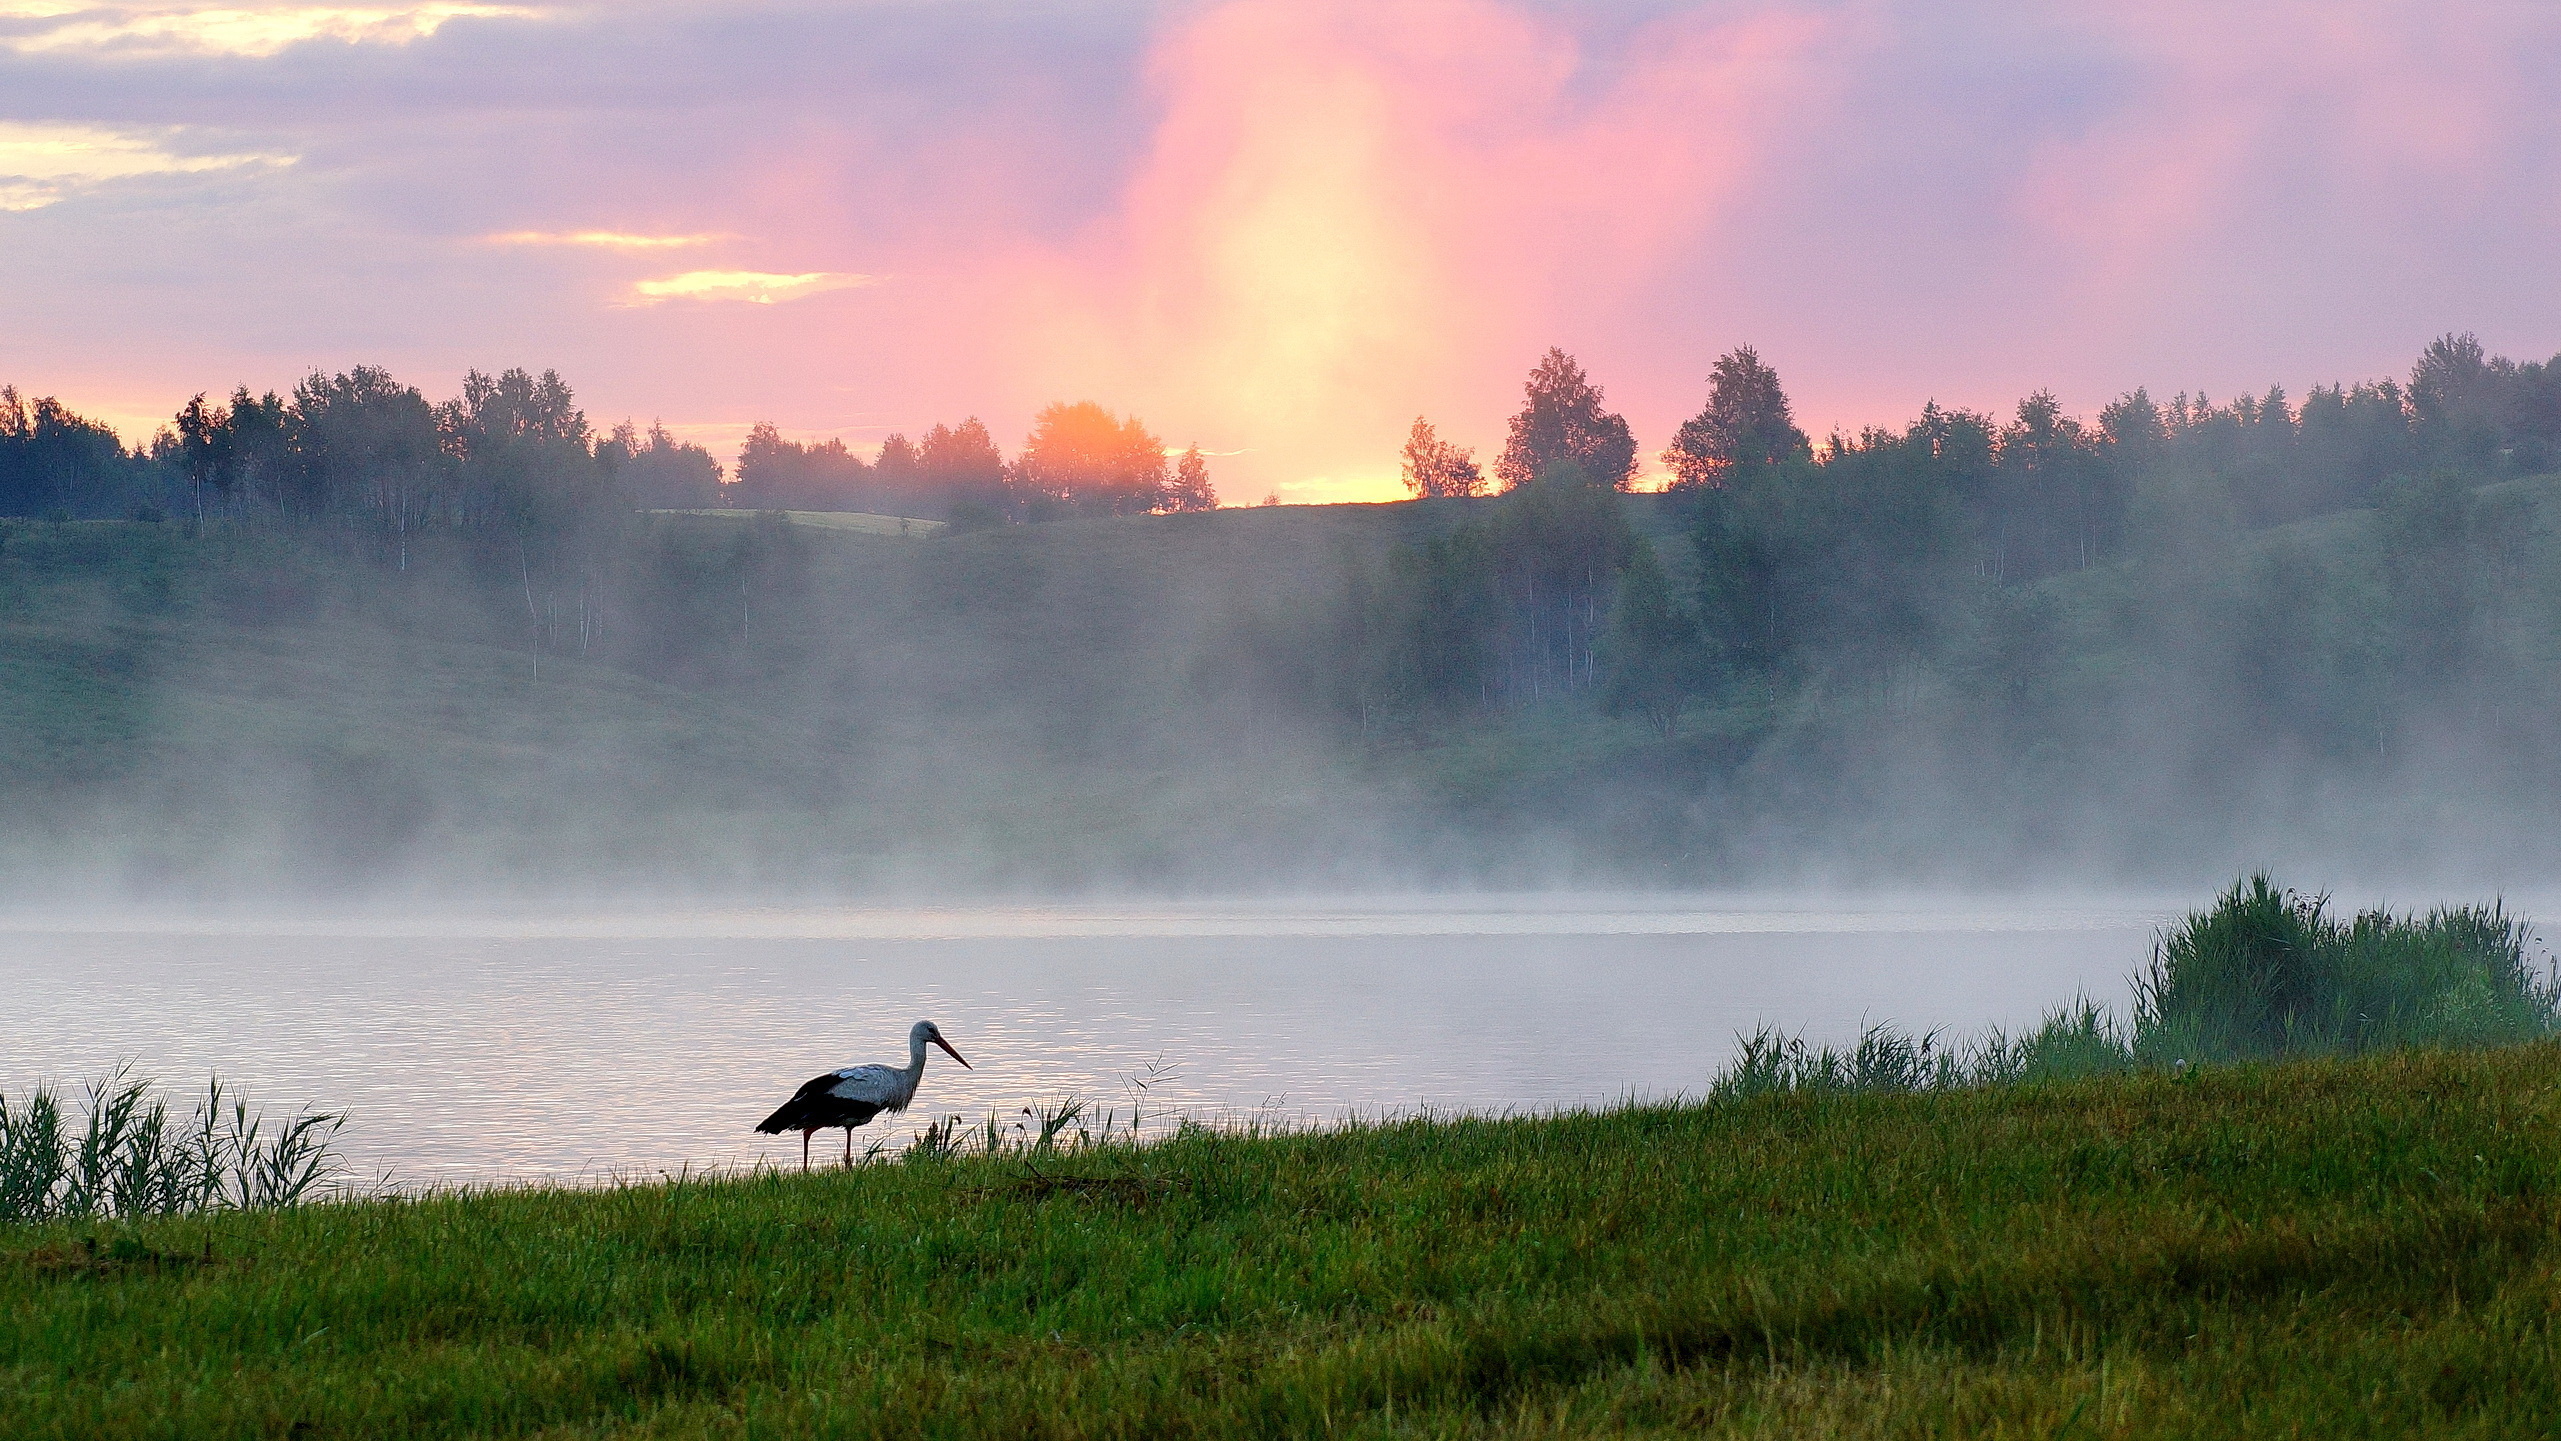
[2366, 1246]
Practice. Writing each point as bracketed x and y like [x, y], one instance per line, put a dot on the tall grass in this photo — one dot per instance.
[2079, 1040]
[127, 1156]
[2263, 974]
[2269, 973]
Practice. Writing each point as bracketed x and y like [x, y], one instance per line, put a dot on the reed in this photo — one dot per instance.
[2264, 973]
[2268, 973]
[127, 1156]
[2077, 1041]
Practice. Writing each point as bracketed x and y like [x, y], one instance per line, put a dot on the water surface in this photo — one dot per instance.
[477, 1048]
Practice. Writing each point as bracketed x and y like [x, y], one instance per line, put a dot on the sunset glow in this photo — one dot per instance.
[602, 239]
[756, 287]
[42, 165]
[1278, 228]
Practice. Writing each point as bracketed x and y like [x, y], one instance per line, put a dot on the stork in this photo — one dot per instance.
[854, 1095]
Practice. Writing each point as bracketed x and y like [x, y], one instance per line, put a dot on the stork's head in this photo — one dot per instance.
[928, 1031]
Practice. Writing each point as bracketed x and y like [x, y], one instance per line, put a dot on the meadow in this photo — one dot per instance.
[2337, 1247]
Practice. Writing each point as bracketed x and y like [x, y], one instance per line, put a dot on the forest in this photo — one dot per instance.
[2174, 637]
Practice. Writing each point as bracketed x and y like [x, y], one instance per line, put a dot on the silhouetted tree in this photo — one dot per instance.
[523, 450]
[2059, 501]
[962, 465]
[2132, 425]
[204, 453]
[1190, 488]
[1562, 420]
[1435, 468]
[897, 465]
[1509, 607]
[778, 474]
[1746, 422]
[1081, 457]
[53, 460]
[364, 450]
[2353, 439]
[663, 473]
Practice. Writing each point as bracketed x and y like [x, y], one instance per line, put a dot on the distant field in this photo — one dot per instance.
[194, 710]
[2337, 1248]
[833, 520]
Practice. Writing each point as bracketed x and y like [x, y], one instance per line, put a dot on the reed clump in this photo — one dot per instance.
[2265, 973]
[2268, 973]
[126, 1155]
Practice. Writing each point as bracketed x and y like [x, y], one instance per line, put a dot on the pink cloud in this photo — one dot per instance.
[1352, 213]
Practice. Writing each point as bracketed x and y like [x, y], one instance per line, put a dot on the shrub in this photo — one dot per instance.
[2261, 974]
[2268, 973]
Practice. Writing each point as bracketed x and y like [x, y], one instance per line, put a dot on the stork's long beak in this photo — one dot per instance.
[955, 1055]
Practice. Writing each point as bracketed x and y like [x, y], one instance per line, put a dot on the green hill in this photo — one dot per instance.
[810, 706]
[1224, 700]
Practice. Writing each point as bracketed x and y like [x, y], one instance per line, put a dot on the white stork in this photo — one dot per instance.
[855, 1094]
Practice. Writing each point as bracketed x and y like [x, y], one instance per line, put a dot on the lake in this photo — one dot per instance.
[505, 1048]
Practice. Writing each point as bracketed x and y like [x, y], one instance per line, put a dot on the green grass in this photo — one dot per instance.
[2345, 1247]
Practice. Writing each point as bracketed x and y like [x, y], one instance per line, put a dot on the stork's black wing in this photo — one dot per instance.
[820, 1104]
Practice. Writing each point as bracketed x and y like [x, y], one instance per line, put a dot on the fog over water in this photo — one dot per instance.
[479, 1049]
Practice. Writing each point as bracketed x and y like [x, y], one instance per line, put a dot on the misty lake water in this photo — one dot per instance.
[499, 1049]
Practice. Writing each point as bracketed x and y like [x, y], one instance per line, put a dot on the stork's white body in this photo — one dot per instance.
[888, 1087]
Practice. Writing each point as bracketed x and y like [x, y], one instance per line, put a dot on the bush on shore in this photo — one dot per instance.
[2263, 974]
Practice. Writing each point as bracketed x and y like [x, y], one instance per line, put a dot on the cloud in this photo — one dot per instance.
[756, 287]
[602, 239]
[238, 29]
[42, 165]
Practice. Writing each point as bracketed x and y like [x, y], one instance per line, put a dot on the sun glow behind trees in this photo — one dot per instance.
[1280, 226]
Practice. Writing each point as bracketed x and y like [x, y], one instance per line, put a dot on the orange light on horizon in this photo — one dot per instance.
[600, 239]
[754, 287]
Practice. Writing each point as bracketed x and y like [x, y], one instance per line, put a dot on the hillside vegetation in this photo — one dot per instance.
[353, 639]
[1179, 701]
[758, 703]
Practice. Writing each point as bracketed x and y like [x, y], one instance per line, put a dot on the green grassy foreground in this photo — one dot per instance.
[2333, 1248]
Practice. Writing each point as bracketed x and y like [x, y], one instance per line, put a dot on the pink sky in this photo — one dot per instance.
[1278, 229]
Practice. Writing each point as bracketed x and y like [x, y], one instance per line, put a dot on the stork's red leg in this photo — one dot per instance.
[804, 1146]
[849, 1145]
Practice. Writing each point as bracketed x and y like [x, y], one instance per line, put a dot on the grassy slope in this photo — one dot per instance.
[240, 706]
[2368, 1247]
[232, 708]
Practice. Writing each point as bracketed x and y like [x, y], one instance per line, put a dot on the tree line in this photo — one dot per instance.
[1866, 549]
[513, 456]
[1540, 585]
[1078, 459]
